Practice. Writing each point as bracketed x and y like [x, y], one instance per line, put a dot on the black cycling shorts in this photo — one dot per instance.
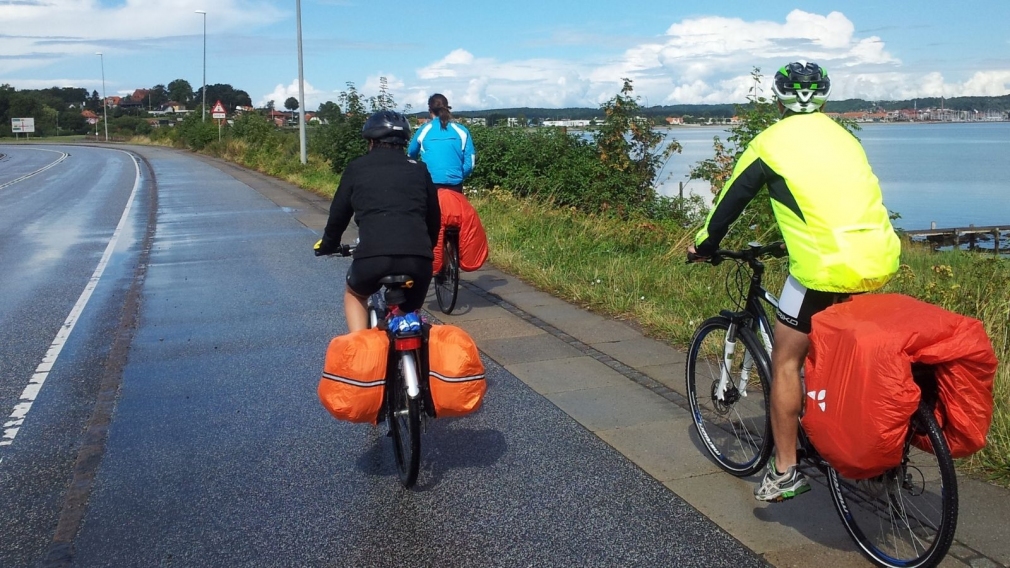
[797, 304]
[364, 274]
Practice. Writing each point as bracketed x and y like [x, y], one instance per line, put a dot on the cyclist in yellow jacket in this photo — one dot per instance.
[828, 205]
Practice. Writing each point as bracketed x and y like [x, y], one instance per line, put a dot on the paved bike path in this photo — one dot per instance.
[628, 390]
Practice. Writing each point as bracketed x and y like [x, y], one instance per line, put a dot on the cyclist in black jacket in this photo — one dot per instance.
[395, 205]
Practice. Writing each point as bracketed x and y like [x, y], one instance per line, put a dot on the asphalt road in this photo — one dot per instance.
[179, 424]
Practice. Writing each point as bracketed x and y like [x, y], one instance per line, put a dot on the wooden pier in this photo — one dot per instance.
[957, 236]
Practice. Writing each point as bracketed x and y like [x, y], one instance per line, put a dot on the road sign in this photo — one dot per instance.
[218, 111]
[26, 125]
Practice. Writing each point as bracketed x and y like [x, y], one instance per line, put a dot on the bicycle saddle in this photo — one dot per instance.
[401, 279]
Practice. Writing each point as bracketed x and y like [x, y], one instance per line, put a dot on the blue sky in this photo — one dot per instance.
[517, 53]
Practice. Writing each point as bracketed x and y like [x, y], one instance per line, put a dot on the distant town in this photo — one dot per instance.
[69, 110]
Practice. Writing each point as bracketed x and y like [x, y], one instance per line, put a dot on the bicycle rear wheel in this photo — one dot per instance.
[447, 279]
[404, 416]
[734, 427]
[907, 516]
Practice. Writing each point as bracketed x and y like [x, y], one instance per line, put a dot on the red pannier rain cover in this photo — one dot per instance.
[457, 212]
[354, 375]
[455, 372]
[858, 380]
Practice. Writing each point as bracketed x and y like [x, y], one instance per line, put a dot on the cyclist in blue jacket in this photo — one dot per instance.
[444, 145]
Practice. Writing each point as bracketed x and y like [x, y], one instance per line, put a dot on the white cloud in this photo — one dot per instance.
[703, 60]
[313, 97]
[41, 32]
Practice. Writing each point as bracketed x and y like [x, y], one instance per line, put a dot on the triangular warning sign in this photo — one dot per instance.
[218, 107]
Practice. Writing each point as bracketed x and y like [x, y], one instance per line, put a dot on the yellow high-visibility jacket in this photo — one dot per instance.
[825, 198]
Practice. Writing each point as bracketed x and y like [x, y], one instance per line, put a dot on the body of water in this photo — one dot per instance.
[953, 174]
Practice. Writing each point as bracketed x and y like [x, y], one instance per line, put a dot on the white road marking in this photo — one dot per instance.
[64, 156]
[17, 417]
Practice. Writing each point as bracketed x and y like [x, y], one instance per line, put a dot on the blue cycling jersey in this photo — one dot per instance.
[448, 152]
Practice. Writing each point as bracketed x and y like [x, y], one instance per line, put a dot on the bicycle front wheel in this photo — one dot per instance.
[447, 279]
[906, 517]
[404, 416]
[728, 389]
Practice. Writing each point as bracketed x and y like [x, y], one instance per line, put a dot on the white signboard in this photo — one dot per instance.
[26, 125]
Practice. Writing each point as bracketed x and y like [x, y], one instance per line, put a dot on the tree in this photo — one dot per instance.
[627, 143]
[180, 91]
[384, 101]
[340, 141]
[291, 104]
[329, 112]
[229, 96]
[157, 96]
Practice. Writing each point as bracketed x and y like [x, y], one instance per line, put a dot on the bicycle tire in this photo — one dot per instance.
[404, 416]
[736, 434]
[447, 279]
[866, 506]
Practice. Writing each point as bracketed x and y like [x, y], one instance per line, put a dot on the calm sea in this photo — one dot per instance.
[953, 174]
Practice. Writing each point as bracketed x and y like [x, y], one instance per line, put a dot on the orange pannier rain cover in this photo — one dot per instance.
[456, 373]
[860, 394]
[457, 212]
[354, 375]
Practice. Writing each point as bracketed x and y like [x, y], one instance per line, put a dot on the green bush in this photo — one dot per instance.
[196, 133]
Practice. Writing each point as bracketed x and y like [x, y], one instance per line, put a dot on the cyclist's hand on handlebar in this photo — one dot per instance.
[693, 256]
[323, 250]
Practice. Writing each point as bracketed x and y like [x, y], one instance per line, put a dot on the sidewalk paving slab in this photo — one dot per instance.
[564, 375]
[619, 406]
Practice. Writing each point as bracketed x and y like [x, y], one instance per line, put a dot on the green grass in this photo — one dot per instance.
[635, 271]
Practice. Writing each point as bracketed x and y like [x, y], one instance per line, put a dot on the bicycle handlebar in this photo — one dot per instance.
[753, 252]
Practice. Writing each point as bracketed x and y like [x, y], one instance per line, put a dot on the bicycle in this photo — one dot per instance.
[406, 398]
[447, 279]
[905, 517]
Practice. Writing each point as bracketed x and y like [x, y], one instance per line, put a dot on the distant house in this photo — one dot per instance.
[571, 123]
[112, 101]
[672, 120]
[129, 103]
[90, 117]
[140, 94]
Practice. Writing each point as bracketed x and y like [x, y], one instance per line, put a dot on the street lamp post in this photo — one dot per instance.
[301, 85]
[105, 100]
[204, 115]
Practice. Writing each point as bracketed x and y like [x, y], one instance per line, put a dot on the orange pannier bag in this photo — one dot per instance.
[457, 212]
[455, 372]
[354, 375]
[860, 394]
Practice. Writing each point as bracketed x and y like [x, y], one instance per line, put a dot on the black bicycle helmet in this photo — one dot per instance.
[801, 86]
[387, 126]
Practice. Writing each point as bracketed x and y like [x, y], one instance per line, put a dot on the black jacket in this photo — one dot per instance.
[394, 204]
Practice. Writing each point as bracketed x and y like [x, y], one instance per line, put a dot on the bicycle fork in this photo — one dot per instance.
[725, 380]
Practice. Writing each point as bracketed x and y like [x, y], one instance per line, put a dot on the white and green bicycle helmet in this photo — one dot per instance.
[802, 87]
